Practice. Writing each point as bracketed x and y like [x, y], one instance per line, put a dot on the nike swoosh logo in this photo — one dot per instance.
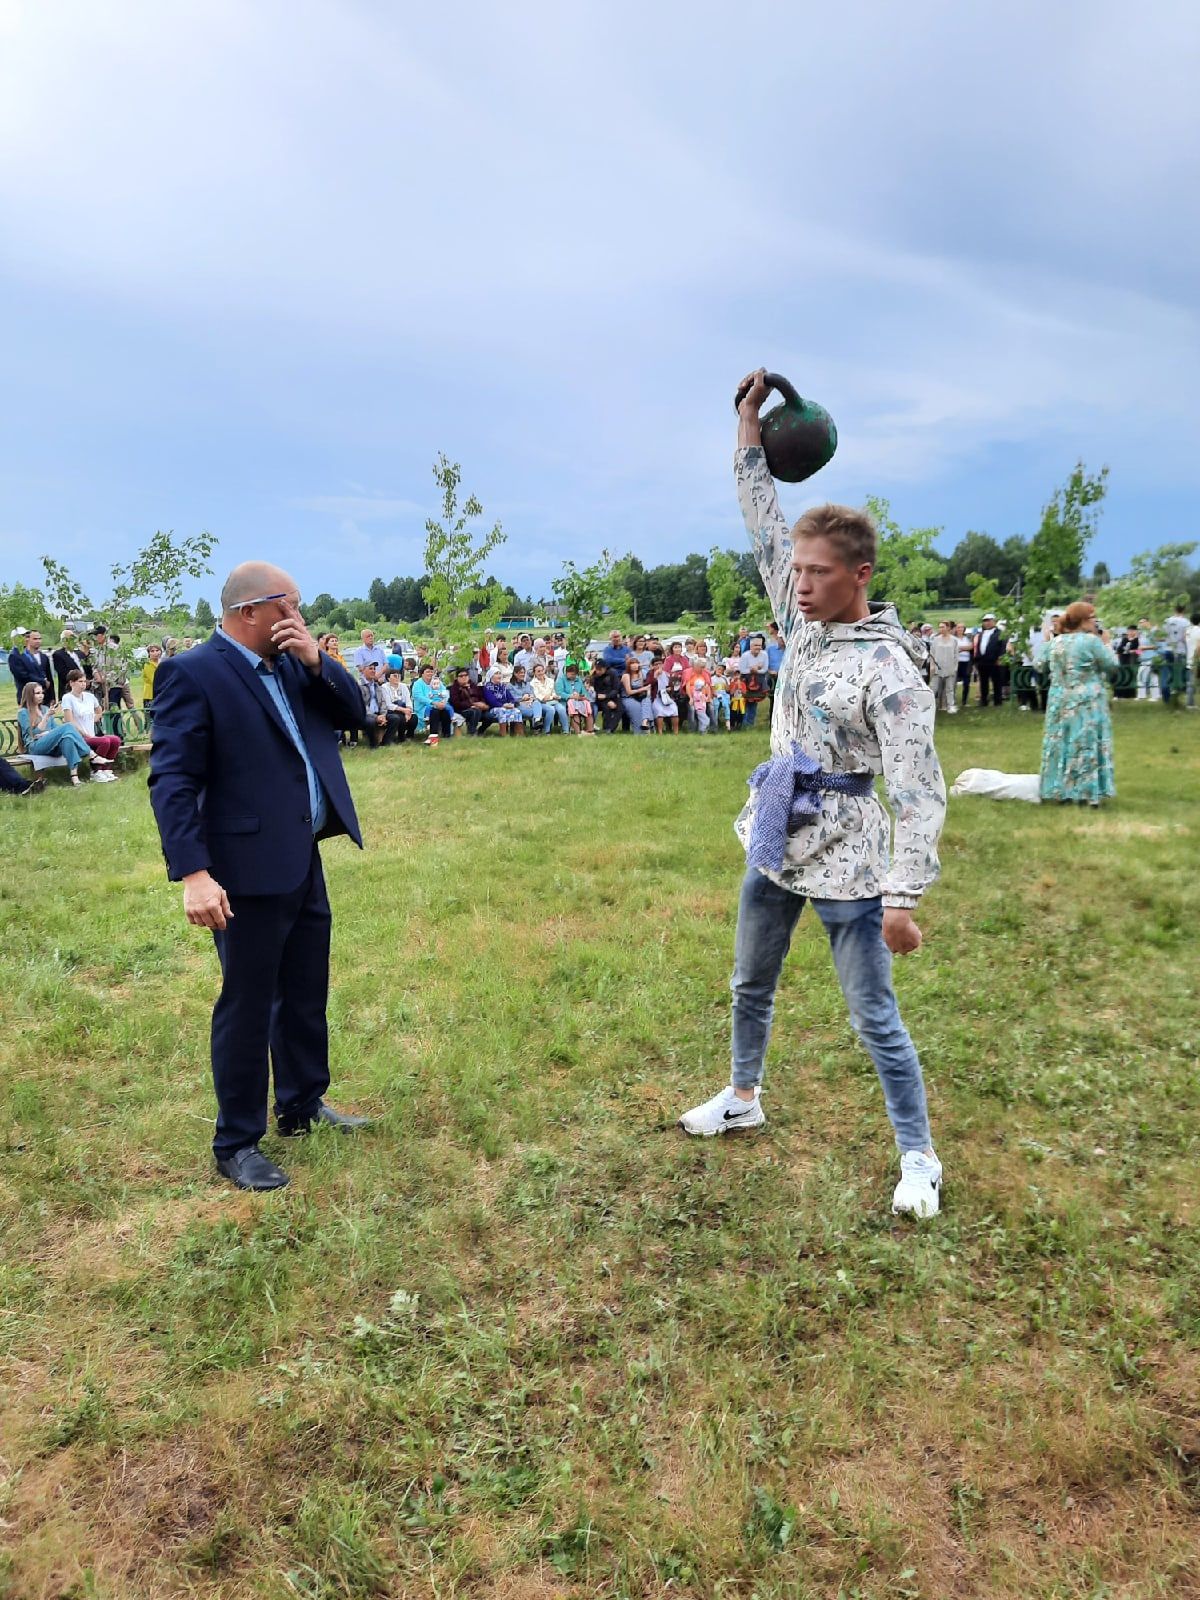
[732, 1116]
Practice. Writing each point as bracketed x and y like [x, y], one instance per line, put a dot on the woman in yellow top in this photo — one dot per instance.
[149, 668]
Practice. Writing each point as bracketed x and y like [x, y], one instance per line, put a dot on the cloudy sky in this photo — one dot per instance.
[260, 262]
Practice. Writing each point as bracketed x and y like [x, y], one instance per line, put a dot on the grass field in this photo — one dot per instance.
[524, 1340]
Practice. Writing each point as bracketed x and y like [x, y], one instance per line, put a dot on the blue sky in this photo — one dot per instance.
[260, 262]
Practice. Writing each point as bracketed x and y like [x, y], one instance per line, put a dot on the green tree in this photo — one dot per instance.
[203, 617]
[907, 569]
[726, 589]
[1054, 562]
[149, 585]
[974, 553]
[985, 594]
[21, 607]
[455, 553]
[595, 598]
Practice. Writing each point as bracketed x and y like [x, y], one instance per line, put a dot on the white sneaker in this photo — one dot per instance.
[953, 710]
[918, 1194]
[104, 777]
[724, 1113]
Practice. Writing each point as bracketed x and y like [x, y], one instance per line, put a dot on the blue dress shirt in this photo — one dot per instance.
[316, 794]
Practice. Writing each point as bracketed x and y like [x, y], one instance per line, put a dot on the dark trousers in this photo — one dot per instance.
[611, 714]
[479, 719]
[964, 678]
[440, 722]
[990, 677]
[11, 781]
[274, 958]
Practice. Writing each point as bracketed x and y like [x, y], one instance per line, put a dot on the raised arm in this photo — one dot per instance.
[769, 529]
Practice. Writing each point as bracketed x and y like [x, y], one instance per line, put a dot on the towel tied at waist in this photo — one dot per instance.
[789, 789]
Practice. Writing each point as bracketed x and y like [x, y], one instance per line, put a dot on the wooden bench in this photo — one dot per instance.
[135, 723]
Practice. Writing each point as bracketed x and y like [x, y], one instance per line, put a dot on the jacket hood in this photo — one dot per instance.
[883, 623]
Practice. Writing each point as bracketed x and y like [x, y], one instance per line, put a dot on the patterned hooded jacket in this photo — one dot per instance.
[852, 696]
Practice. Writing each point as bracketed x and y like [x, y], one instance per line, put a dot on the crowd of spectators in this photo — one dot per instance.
[1160, 660]
[633, 684]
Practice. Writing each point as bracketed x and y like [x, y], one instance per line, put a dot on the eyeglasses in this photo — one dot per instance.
[263, 598]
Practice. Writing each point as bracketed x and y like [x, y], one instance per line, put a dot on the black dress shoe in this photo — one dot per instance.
[294, 1127]
[250, 1169]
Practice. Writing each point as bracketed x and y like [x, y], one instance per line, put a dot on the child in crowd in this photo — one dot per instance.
[666, 707]
[699, 696]
[737, 698]
[149, 668]
[574, 691]
[720, 698]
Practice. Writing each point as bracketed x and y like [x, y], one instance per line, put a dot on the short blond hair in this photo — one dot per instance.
[851, 532]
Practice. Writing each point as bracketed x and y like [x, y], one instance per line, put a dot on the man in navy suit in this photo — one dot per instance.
[990, 645]
[245, 779]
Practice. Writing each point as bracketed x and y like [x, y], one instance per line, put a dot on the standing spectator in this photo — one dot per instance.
[966, 659]
[1193, 658]
[31, 664]
[66, 658]
[989, 647]
[1127, 651]
[676, 660]
[43, 734]
[501, 668]
[635, 694]
[545, 694]
[368, 650]
[775, 647]
[83, 650]
[720, 698]
[149, 668]
[523, 654]
[110, 679]
[615, 654]
[80, 708]
[737, 699]
[943, 666]
[1077, 758]
[1147, 656]
[755, 691]
[755, 658]
[1175, 633]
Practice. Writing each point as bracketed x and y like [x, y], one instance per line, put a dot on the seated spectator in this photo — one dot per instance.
[664, 707]
[397, 702]
[11, 781]
[576, 696]
[431, 702]
[379, 729]
[553, 710]
[606, 685]
[43, 734]
[615, 653]
[523, 693]
[503, 703]
[676, 660]
[80, 708]
[468, 701]
[635, 694]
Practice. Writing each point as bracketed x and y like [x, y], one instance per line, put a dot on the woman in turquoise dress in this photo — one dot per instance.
[1077, 754]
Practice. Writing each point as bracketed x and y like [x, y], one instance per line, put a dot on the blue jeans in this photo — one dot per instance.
[767, 916]
[554, 711]
[751, 715]
[635, 710]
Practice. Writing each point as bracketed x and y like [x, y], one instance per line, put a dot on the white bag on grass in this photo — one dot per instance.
[994, 785]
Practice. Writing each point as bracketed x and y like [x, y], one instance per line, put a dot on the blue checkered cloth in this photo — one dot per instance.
[789, 789]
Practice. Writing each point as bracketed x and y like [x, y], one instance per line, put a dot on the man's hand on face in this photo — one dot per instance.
[205, 903]
[900, 932]
[291, 633]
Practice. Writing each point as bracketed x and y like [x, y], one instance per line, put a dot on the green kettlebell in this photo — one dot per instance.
[799, 437]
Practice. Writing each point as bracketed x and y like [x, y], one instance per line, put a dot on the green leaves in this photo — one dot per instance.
[455, 589]
[907, 568]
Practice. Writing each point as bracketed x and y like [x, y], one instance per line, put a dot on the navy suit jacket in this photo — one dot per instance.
[228, 786]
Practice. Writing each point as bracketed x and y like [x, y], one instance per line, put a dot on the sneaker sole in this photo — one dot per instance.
[919, 1216]
[723, 1128]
